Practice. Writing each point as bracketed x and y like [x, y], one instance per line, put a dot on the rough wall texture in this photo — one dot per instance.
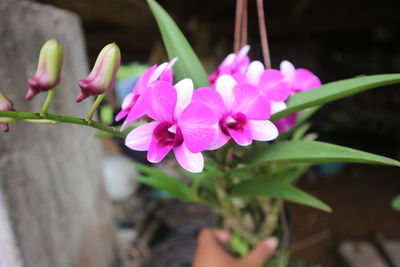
[50, 182]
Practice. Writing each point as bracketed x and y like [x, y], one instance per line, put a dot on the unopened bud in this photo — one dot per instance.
[5, 104]
[48, 72]
[102, 77]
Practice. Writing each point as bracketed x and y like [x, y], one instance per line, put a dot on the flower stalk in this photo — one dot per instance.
[94, 107]
[61, 119]
[47, 103]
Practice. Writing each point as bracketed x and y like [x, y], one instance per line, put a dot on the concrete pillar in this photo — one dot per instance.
[53, 210]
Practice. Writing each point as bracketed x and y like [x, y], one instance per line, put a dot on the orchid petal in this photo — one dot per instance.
[277, 106]
[263, 130]
[250, 102]
[121, 115]
[143, 80]
[273, 84]
[140, 137]
[157, 72]
[254, 72]
[241, 137]
[286, 123]
[190, 161]
[211, 98]
[127, 100]
[136, 111]
[199, 126]
[160, 101]
[305, 80]
[225, 86]
[228, 60]
[219, 141]
[160, 143]
[184, 89]
[167, 74]
[288, 70]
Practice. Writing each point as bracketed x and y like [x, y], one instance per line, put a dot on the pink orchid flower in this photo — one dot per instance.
[270, 82]
[234, 65]
[182, 126]
[299, 80]
[242, 112]
[132, 106]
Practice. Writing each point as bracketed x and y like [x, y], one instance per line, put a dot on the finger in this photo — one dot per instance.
[210, 249]
[214, 237]
[261, 253]
[222, 236]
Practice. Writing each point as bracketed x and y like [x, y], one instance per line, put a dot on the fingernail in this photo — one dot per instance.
[223, 236]
[271, 243]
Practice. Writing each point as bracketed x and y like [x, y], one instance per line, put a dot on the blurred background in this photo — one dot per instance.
[335, 40]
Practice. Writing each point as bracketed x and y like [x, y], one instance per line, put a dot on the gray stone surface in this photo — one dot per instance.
[50, 178]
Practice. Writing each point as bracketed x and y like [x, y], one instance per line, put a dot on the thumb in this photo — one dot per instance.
[261, 253]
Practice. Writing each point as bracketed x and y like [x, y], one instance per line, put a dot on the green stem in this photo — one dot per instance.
[231, 218]
[272, 215]
[61, 118]
[46, 104]
[94, 107]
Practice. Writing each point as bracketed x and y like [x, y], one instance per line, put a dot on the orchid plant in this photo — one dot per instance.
[239, 135]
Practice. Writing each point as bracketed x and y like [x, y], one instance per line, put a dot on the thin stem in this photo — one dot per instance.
[238, 20]
[47, 102]
[94, 107]
[62, 118]
[263, 34]
[244, 25]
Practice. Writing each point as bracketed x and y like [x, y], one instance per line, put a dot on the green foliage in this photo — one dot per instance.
[238, 245]
[396, 203]
[274, 188]
[162, 181]
[315, 152]
[335, 90]
[188, 64]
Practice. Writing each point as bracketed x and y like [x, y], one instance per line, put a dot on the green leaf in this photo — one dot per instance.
[316, 152]
[164, 182]
[396, 203]
[290, 175]
[273, 188]
[188, 64]
[334, 91]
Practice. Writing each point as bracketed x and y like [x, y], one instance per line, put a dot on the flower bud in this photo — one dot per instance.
[5, 104]
[48, 72]
[102, 77]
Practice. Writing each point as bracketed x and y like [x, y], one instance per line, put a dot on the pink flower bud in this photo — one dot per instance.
[5, 104]
[102, 77]
[47, 75]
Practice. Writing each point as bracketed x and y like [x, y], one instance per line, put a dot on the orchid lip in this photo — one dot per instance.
[167, 133]
[235, 122]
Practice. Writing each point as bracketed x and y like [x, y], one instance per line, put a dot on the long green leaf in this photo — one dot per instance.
[334, 91]
[268, 187]
[316, 152]
[188, 64]
[164, 182]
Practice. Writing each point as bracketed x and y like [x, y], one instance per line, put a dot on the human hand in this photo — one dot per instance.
[210, 251]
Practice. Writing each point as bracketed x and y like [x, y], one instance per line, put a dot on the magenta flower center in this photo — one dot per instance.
[168, 134]
[235, 122]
